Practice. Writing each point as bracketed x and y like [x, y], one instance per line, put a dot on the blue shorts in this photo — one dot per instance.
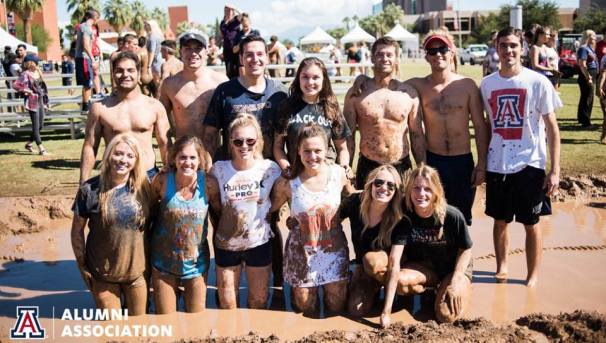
[84, 72]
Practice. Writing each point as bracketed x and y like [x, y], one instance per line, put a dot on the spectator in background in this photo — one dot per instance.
[230, 25]
[588, 70]
[601, 92]
[539, 59]
[245, 31]
[31, 84]
[290, 58]
[146, 77]
[491, 59]
[67, 67]
[172, 65]
[9, 56]
[275, 55]
[17, 61]
[553, 59]
[600, 47]
[154, 56]
[528, 41]
[351, 57]
[84, 55]
[96, 50]
[213, 52]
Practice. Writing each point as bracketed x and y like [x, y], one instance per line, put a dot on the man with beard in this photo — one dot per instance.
[449, 101]
[126, 110]
[385, 112]
[186, 94]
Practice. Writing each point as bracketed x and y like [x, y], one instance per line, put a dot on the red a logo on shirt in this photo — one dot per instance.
[507, 112]
[27, 325]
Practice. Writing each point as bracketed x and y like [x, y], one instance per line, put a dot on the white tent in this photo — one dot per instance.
[410, 42]
[357, 34]
[10, 40]
[318, 36]
[105, 47]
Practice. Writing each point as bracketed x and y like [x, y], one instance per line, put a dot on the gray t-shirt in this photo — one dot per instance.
[83, 30]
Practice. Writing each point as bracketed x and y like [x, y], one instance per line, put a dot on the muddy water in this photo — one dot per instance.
[572, 277]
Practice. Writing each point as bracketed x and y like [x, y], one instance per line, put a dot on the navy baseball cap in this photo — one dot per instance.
[187, 36]
[31, 57]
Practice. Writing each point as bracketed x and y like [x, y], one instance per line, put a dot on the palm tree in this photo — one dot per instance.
[117, 13]
[139, 15]
[346, 22]
[355, 19]
[25, 9]
[182, 27]
[79, 7]
[160, 16]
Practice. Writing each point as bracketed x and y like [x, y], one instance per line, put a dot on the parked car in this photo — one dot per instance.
[473, 54]
[568, 58]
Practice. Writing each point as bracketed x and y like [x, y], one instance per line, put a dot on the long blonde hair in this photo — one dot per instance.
[438, 203]
[244, 120]
[138, 184]
[393, 212]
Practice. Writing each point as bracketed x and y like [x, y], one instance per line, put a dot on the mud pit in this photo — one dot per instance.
[38, 269]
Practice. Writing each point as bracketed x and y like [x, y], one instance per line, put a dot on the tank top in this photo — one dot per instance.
[315, 252]
[179, 244]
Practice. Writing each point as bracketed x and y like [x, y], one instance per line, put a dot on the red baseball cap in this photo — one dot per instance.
[438, 38]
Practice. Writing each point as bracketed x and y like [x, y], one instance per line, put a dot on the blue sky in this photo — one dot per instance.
[289, 17]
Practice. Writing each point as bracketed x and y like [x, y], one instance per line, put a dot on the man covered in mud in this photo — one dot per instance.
[254, 93]
[186, 95]
[126, 110]
[385, 112]
[521, 107]
[449, 101]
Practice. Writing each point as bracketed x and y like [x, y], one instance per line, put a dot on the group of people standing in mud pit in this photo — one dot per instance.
[244, 147]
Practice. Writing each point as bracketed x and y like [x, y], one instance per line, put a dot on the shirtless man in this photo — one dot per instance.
[186, 95]
[172, 65]
[448, 101]
[130, 43]
[126, 110]
[385, 112]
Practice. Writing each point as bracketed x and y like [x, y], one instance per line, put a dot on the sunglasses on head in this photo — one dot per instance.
[240, 142]
[433, 51]
[380, 182]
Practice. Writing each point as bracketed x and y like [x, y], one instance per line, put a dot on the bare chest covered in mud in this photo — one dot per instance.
[384, 105]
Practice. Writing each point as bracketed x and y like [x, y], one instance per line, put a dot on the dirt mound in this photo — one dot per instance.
[581, 186]
[579, 326]
[19, 215]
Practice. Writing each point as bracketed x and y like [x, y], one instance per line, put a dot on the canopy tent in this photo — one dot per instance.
[357, 34]
[410, 42]
[10, 40]
[105, 47]
[318, 36]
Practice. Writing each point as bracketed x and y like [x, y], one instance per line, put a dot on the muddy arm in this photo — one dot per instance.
[79, 248]
[393, 273]
[349, 112]
[162, 127]
[552, 181]
[92, 137]
[415, 125]
[280, 194]
[481, 133]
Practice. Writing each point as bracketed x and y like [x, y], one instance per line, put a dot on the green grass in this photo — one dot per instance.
[25, 174]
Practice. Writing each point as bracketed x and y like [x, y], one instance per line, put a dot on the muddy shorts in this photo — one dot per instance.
[455, 174]
[171, 278]
[259, 256]
[138, 282]
[84, 72]
[442, 273]
[519, 194]
[365, 166]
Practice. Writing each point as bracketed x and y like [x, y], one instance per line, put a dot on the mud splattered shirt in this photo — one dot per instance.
[179, 246]
[316, 252]
[114, 252]
[245, 199]
[516, 106]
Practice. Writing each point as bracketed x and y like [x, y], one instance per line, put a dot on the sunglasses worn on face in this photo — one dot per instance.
[433, 51]
[239, 142]
[380, 182]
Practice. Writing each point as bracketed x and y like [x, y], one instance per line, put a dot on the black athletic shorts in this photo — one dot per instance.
[365, 166]
[519, 194]
[84, 72]
[259, 256]
[455, 174]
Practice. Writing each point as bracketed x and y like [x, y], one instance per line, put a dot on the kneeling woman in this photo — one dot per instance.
[437, 249]
[242, 200]
[179, 248]
[377, 226]
[115, 205]
[316, 251]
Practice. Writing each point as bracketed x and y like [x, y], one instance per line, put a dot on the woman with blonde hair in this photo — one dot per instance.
[115, 204]
[179, 248]
[437, 249]
[377, 225]
[32, 85]
[241, 199]
[316, 253]
[588, 71]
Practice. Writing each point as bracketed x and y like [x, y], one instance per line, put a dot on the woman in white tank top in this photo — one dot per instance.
[316, 251]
